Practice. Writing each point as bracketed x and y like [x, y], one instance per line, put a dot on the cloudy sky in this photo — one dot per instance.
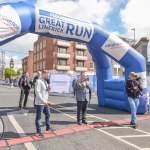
[117, 16]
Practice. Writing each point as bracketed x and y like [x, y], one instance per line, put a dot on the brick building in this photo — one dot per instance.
[27, 64]
[59, 56]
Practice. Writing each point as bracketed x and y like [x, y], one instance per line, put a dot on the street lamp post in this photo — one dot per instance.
[134, 35]
[11, 65]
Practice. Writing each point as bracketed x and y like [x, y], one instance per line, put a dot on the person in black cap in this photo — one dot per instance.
[133, 90]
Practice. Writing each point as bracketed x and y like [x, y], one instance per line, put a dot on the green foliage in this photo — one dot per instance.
[10, 72]
[19, 71]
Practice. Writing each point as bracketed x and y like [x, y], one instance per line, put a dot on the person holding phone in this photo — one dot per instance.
[41, 102]
[82, 88]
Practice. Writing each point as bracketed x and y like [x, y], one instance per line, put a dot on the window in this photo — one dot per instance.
[80, 53]
[62, 50]
[44, 43]
[34, 67]
[91, 65]
[44, 54]
[119, 71]
[115, 71]
[40, 55]
[40, 65]
[37, 67]
[80, 63]
[41, 44]
[37, 58]
[37, 47]
[34, 58]
[62, 62]
[25, 68]
[81, 43]
[43, 64]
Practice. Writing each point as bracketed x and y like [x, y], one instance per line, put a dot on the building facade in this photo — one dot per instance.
[27, 64]
[143, 47]
[59, 56]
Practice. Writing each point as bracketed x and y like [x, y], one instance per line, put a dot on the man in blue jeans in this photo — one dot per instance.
[133, 90]
[41, 103]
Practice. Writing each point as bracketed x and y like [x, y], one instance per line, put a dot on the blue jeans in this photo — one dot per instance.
[134, 103]
[39, 110]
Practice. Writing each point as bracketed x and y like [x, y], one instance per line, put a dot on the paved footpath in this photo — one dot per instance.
[108, 129]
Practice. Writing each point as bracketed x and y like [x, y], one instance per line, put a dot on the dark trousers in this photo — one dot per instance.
[23, 95]
[34, 97]
[74, 92]
[81, 110]
[39, 110]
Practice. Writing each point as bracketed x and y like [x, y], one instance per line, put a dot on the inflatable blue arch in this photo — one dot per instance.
[17, 19]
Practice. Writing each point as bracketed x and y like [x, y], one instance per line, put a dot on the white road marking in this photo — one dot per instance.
[58, 110]
[25, 114]
[115, 137]
[89, 115]
[129, 136]
[63, 113]
[9, 94]
[19, 130]
[140, 131]
[32, 98]
[105, 128]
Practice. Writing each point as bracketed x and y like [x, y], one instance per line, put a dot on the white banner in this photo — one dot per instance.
[115, 47]
[59, 25]
[60, 83]
[10, 24]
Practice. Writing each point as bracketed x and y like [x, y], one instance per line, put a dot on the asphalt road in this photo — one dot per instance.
[113, 136]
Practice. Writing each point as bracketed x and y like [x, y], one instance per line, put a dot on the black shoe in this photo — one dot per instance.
[79, 123]
[84, 122]
[19, 107]
[51, 129]
[40, 134]
[135, 126]
[24, 107]
[131, 123]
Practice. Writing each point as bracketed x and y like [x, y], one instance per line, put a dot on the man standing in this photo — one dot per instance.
[41, 102]
[133, 89]
[39, 74]
[82, 96]
[24, 85]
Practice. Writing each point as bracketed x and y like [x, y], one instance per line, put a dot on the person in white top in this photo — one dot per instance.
[41, 102]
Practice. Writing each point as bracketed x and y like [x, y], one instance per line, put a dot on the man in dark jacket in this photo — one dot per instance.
[133, 90]
[24, 85]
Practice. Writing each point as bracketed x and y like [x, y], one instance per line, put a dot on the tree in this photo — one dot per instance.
[9, 73]
[19, 71]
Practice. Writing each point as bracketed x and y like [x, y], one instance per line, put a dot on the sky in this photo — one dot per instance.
[115, 16]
